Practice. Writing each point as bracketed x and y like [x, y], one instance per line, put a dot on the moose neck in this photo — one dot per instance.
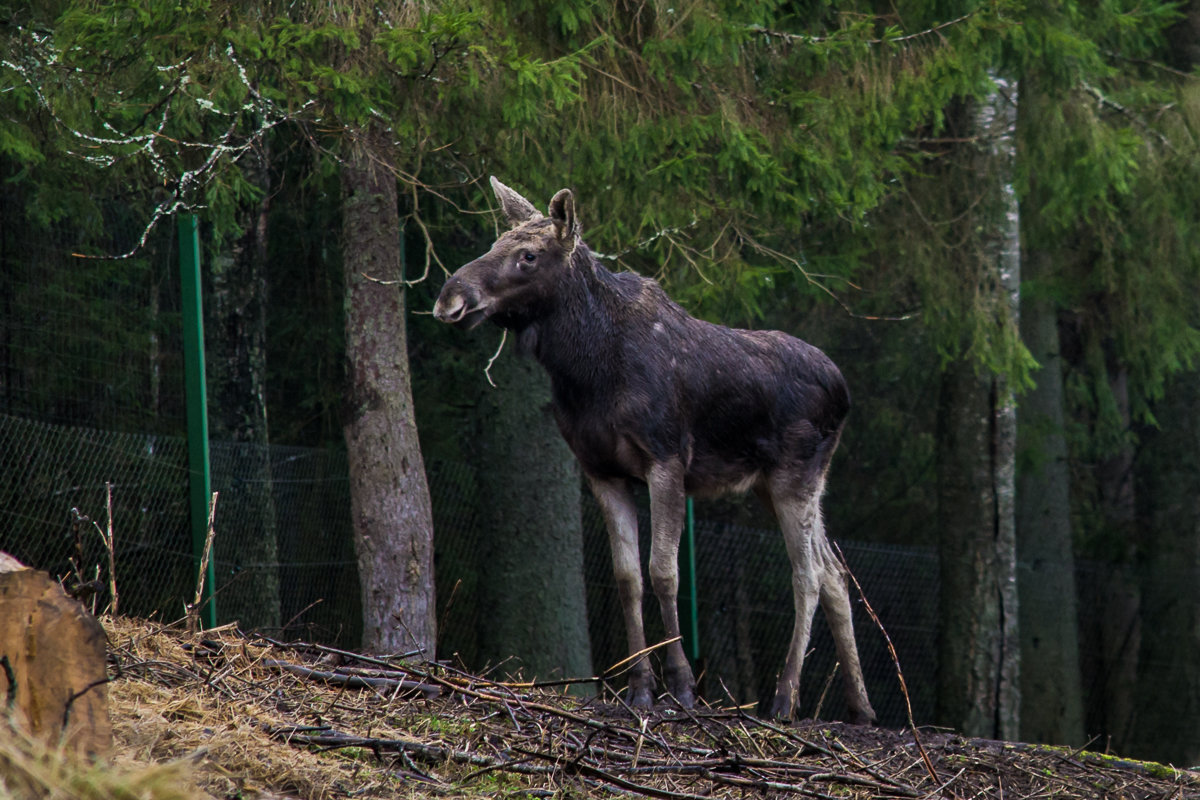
[576, 340]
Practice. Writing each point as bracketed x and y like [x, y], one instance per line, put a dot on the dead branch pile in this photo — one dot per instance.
[271, 719]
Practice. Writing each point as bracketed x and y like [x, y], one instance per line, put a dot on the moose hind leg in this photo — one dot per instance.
[620, 517]
[799, 517]
[835, 600]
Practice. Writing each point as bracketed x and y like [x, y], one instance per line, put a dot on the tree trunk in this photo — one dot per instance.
[727, 641]
[1168, 687]
[978, 647]
[245, 550]
[976, 650]
[1120, 617]
[531, 566]
[53, 656]
[389, 497]
[1184, 37]
[1051, 689]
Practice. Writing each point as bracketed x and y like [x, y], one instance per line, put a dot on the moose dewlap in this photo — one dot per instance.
[644, 392]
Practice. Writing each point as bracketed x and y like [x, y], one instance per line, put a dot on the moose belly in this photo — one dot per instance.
[742, 459]
[712, 477]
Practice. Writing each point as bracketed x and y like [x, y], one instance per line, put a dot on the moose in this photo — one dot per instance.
[643, 392]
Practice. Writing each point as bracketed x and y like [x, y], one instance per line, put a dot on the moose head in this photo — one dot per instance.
[515, 281]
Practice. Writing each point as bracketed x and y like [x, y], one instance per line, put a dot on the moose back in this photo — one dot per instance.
[643, 392]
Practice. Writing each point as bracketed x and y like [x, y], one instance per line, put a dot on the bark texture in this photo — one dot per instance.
[245, 549]
[977, 561]
[1120, 619]
[389, 496]
[727, 640]
[531, 570]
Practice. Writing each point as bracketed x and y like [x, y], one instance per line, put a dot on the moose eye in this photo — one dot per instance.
[526, 261]
[529, 258]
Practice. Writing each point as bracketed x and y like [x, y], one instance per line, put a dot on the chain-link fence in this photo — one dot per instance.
[56, 474]
[57, 485]
[57, 478]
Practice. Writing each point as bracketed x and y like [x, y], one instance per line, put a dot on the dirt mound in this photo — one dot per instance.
[256, 718]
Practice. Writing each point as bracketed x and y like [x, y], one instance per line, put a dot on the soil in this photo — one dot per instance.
[257, 718]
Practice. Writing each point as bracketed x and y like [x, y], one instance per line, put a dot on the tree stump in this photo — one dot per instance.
[52, 662]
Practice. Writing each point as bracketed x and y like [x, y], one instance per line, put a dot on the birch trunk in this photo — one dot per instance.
[978, 648]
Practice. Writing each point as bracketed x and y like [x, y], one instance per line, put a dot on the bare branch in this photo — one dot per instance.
[487, 370]
[803, 38]
[148, 143]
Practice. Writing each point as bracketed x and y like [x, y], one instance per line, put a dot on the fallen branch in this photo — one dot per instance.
[328, 739]
[355, 681]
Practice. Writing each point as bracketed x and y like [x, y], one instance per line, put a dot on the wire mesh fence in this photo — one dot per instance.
[89, 341]
[91, 402]
[59, 477]
[55, 482]
[51, 470]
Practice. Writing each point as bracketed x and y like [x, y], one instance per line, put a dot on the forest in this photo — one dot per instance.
[986, 213]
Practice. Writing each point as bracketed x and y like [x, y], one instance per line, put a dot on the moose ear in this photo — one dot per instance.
[516, 208]
[562, 214]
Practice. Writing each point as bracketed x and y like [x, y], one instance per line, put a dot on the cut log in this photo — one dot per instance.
[52, 662]
[10, 564]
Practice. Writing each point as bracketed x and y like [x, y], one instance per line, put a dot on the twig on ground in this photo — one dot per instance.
[912, 725]
[193, 610]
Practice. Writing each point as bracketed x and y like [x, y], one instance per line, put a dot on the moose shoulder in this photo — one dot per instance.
[644, 392]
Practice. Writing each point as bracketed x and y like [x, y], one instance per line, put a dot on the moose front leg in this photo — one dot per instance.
[620, 517]
[668, 502]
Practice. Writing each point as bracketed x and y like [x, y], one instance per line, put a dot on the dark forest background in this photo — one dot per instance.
[986, 213]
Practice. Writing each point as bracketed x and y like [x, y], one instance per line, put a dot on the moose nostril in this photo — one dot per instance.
[449, 309]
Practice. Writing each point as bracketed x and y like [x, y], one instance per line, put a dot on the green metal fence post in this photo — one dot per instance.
[690, 623]
[199, 476]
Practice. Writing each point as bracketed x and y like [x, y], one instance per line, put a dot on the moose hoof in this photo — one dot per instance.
[641, 698]
[782, 708]
[860, 717]
[685, 696]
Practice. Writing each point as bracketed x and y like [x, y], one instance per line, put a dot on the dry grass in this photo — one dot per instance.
[28, 769]
[221, 715]
[213, 700]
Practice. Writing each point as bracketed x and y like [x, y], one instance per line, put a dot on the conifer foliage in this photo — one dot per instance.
[764, 160]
